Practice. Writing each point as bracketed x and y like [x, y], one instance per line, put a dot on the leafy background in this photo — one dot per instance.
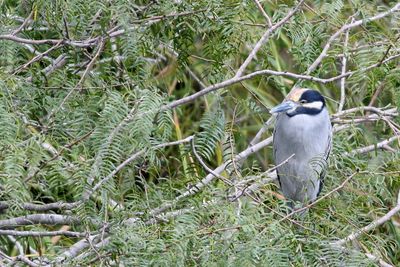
[64, 129]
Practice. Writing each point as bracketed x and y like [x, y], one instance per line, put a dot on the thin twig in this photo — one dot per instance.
[344, 63]
[321, 198]
[82, 44]
[202, 163]
[388, 50]
[370, 226]
[379, 111]
[380, 145]
[259, 6]
[129, 160]
[265, 38]
[37, 58]
[210, 177]
[376, 94]
[26, 22]
[344, 28]
[81, 80]
[226, 83]
[41, 207]
[271, 177]
[49, 219]
[39, 234]
[167, 16]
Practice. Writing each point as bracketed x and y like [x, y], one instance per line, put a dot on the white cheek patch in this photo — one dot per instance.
[316, 105]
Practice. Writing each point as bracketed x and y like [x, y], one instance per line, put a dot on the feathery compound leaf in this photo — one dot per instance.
[212, 129]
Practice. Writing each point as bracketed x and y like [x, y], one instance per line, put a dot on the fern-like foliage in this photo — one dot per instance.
[212, 129]
[96, 91]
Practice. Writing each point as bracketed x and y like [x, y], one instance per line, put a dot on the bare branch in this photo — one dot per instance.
[381, 262]
[82, 79]
[37, 233]
[235, 80]
[344, 63]
[36, 58]
[263, 129]
[129, 160]
[42, 207]
[377, 92]
[210, 177]
[59, 62]
[202, 163]
[370, 226]
[49, 219]
[76, 248]
[347, 27]
[271, 173]
[265, 38]
[27, 261]
[269, 21]
[85, 43]
[380, 145]
[25, 23]
[321, 198]
[380, 111]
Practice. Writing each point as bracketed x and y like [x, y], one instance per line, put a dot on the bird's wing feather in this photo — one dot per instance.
[326, 156]
[274, 155]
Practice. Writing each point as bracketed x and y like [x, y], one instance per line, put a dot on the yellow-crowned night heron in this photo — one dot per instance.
[303, 129]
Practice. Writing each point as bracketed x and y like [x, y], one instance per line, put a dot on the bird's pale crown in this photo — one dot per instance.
[296, 94]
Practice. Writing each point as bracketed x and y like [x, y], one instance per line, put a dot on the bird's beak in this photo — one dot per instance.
[285, 106]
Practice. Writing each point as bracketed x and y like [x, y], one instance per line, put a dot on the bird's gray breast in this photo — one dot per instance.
[308, 137]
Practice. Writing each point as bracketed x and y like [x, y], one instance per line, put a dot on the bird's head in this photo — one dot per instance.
[301, 101]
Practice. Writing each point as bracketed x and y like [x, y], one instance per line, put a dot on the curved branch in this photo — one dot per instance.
[235, 80]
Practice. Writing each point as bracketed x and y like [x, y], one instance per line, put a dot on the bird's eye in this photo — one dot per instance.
[303, 101]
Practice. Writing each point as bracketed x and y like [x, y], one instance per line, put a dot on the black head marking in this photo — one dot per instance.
[308, 96]
[312, 96]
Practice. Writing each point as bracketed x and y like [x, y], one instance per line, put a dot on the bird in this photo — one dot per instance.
[302, 143]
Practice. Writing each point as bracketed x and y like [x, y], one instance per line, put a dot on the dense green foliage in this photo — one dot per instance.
[64, 129]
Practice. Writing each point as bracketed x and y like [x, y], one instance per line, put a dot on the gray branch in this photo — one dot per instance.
[48, 219]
